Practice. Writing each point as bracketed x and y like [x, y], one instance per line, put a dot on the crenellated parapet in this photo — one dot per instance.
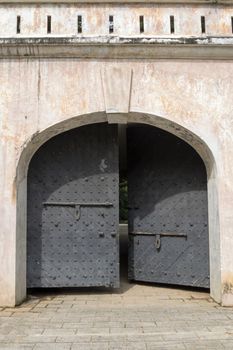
[123, 20]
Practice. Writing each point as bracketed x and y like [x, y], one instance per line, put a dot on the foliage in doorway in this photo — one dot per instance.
[123, 200]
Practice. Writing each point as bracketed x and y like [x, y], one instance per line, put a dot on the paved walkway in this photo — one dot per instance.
[135, 317]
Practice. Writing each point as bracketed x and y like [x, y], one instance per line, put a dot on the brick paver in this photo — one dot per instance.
[136, 317]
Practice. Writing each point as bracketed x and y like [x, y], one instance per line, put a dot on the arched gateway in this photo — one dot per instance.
[72, 75]
[73, 209]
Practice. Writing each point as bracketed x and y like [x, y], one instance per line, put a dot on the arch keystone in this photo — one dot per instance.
[116, 82]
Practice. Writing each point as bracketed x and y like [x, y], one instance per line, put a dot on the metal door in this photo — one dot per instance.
[73, 210]
[168, 223]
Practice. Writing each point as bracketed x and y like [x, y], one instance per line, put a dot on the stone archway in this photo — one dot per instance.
[40, 138]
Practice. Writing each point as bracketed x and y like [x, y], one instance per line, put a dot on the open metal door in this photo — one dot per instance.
[73, 210]
[168, 219]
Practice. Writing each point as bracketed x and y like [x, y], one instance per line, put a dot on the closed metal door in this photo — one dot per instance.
[168, 218]
[73, 210]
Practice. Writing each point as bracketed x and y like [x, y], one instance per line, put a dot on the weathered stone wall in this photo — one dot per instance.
[47, 87]
[95, 19]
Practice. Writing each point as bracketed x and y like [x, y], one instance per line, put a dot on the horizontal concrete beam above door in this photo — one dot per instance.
[199, 48]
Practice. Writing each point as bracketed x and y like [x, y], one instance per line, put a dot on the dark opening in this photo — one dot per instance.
[80, 24]
[123, 202]
[172, 24]
[111, 24]
[123, 197]
[18, 22]
[203, 29]
[49, 24]
[123, 182]
[141, 23]
[232, 24]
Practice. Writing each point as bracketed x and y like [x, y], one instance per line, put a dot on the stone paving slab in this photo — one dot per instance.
[135, 317]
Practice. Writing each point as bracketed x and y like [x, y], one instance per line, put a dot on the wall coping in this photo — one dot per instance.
[116, 1]
[105, 47]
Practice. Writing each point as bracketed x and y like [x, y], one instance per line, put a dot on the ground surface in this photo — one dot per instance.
[135, 317]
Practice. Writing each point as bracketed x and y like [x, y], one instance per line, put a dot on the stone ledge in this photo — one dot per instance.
[118, 47]
[116, 1]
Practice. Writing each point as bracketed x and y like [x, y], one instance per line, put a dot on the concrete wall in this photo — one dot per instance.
[44, 96]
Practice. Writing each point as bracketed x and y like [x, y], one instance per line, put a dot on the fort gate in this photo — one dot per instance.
[96, 94]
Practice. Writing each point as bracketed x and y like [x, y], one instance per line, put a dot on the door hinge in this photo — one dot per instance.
[159, 235]
[77, 206]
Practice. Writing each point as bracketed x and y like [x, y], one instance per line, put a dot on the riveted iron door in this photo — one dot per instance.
[73, 210]
[168, 224]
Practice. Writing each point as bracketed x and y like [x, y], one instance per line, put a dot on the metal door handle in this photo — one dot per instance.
[157, 242]
[167, 234]
[77, 211]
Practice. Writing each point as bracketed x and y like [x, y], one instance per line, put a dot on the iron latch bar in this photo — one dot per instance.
[159, 235]
[78, 205]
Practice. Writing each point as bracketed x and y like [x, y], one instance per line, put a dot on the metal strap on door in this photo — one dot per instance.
[77, 206]
[159, 235]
